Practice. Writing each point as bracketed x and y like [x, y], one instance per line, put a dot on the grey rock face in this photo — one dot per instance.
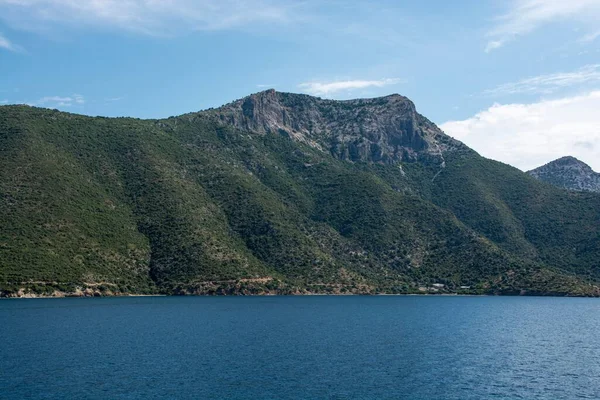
[382, 130]
[568, 173]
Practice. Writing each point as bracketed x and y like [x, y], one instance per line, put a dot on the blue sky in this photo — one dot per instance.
[518, 80]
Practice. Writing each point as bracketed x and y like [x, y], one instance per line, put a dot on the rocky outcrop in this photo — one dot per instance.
[568, 173]
[380, 130]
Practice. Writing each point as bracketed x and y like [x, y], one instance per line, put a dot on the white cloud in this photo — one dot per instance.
[494, 44]
[525, 16]
[59, 101]
[330, 88]
[77, 98]
[3, 101]
[153, 17]
[8, 45]
[550, 83]
[590, 37]
[529, 135]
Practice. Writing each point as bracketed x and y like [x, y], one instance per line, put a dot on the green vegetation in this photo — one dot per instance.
[187, 205]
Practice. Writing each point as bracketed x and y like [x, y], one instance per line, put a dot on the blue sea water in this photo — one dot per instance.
[313, 347]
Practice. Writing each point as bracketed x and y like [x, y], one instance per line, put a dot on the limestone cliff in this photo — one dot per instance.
[380, 130]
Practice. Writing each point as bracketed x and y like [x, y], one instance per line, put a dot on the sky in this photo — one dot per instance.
[517, 80]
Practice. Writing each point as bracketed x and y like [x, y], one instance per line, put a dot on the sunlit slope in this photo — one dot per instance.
[198, 204]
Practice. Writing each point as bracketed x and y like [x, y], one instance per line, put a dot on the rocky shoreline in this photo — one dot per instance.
[91, 293]
[268, 286]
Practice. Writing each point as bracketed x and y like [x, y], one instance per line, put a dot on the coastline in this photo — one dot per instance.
[123, 295]
[262, 287]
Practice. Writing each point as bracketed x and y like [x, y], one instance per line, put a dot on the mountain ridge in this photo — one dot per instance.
[382, 129]
[288, 194]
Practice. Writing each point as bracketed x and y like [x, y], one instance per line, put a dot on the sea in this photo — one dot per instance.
[300, 347]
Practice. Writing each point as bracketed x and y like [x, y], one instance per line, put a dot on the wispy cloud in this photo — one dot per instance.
[113, 99]
[590, 37]
[525, 16]
[550, 83]
[530, 135]
[152, 17]
[3, 101]
[493, 44]
[331, 88]
[8, 45]
[59, 101]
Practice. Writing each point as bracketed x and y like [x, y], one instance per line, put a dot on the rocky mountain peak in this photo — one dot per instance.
[570, 162]
[383, 129]
[569, 173]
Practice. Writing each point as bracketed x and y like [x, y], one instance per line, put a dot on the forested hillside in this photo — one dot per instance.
[278, 193]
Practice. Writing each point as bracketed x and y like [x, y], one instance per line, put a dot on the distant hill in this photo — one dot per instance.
[568, 173]
[278, 193]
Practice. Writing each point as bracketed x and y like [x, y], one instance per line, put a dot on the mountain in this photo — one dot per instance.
[278, 193]
[385, 130]
[568, 173]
